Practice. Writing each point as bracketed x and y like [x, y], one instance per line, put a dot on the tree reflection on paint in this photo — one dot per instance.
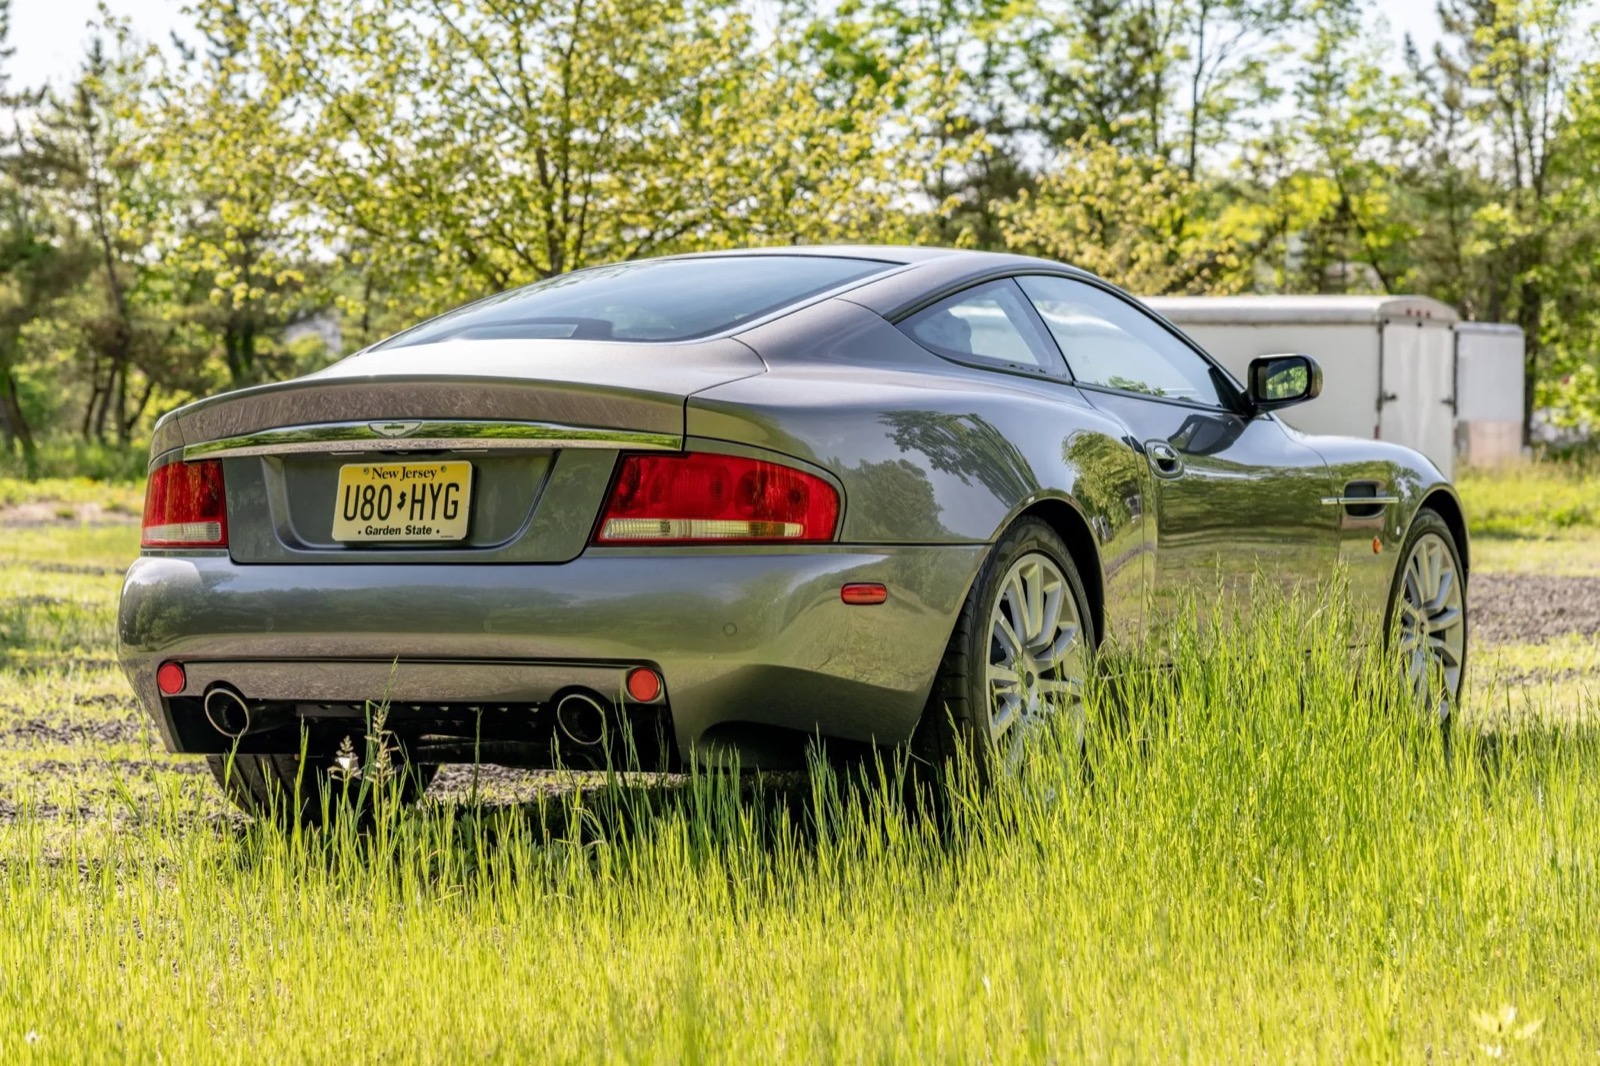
[965, 446]
[1109, 476]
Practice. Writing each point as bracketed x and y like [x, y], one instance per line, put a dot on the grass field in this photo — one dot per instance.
[1262, 860]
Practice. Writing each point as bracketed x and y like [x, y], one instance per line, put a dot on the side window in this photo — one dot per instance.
[1109, 342]
[989, 323]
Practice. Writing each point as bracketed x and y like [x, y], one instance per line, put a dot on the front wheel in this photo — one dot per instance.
[1020, 653]
[1427, 617]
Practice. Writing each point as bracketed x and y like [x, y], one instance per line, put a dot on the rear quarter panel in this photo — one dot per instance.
[930, 452]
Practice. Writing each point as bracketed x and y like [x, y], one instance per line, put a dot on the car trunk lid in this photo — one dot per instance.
[538, 425]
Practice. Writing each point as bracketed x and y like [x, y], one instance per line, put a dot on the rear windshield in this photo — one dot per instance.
[655, 300]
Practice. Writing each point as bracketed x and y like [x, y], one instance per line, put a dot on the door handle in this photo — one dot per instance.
[1164, 459]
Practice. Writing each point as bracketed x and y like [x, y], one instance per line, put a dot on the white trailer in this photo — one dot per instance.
[1489, 392]
[1388, 362]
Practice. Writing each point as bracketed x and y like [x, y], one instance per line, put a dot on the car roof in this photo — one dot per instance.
[915, 272]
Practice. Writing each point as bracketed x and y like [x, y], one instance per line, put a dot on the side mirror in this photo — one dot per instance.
[1282, 381]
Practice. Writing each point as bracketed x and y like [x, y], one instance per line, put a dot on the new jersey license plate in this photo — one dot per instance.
[402, 501]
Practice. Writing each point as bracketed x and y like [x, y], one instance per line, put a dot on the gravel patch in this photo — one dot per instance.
[76, 568]
[1539, 677]
[1533, 608]
[99, 769]
[34, 514]
[497, 784]
[92, 732]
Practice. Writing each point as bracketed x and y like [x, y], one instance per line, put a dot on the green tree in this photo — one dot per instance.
[535, 138]
[41, 260]
[232, 241]
[1329, 176]
[94, 152]
[1134, 220]
[971, 115]
[1508, 68]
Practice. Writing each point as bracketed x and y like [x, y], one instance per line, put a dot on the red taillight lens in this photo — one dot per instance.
[184, 507]
[719, 499]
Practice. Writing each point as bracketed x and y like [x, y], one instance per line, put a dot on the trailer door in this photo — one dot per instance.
[1417, 401]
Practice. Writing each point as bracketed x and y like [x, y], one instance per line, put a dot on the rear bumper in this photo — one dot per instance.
[740, 637]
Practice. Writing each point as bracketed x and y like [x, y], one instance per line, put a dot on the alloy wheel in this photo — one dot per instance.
[1433, 622]
[1036, 652]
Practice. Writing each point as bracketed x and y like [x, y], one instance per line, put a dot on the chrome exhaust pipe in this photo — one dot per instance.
[233, 716]
[581, 718]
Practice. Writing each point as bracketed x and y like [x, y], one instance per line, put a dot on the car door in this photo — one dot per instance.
[1236, 499]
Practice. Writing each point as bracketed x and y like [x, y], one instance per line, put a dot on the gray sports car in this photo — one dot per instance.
[729, 503]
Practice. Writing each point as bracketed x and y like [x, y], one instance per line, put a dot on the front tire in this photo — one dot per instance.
[1426, 622]
[276, 786]
[1020, 653]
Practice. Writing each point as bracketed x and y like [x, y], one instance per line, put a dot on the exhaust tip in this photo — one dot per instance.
[581, 718]
[227, 711]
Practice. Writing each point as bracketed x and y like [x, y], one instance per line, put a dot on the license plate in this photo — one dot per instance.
[402, 501]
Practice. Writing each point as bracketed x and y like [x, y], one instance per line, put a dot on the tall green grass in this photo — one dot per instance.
[1259, 854]
[1532, 499]
[73, 457]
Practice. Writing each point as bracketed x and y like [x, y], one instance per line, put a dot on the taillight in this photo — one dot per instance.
[704, 498]
[184, 507]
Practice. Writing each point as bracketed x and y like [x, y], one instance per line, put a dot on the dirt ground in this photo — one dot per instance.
[36, 513]
[1532, 608]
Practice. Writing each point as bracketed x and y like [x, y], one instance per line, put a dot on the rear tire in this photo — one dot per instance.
[274, 786]
[1026, 617]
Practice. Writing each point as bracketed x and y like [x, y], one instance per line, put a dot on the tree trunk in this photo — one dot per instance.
[103, 410]
[233, 353]
[122, 404]
[17, 423]
[87, 426]
[1529, 313]
[8, 437]
[137, 412]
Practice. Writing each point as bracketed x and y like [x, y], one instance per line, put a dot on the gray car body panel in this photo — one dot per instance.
[934, 460]
[743, 636]
[933, 452]
[1369, 545]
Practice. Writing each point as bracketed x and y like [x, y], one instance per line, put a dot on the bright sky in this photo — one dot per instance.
[49, 35]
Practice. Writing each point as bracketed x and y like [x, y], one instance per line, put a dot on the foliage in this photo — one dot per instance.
[1532, 499]
[299, 180]
[535, 139]
[1133, 220]
[240, 267]
[74, 457]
